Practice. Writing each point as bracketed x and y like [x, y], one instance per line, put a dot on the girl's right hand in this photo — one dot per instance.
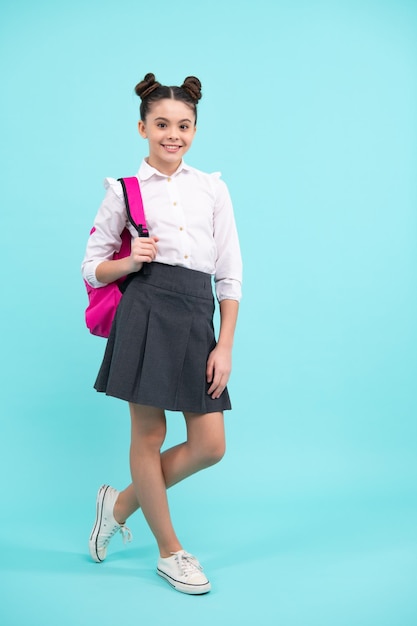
[143, 250]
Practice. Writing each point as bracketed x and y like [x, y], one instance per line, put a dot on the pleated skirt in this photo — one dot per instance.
[162, 335]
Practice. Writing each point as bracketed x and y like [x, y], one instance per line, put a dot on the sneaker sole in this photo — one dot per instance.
[92, 544]
[183, 587]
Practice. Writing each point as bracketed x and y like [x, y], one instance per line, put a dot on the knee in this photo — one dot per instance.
[148, 441]
[212, 452]
[148, 428]
[151, 441]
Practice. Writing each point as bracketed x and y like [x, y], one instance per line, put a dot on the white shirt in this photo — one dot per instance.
[192, 215]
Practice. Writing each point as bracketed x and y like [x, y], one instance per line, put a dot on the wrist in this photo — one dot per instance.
[109, 271]
[225, 344]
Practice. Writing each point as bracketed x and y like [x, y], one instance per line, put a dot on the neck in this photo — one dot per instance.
[165, 168]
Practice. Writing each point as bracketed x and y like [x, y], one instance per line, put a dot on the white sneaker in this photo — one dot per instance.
[183, 572]
[105, 525]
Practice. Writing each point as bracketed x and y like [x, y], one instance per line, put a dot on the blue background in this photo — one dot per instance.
[309, 111]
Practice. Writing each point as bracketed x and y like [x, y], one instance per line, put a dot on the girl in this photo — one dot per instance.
[161, 353]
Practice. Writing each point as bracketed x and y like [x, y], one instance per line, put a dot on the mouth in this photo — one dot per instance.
[172, 148]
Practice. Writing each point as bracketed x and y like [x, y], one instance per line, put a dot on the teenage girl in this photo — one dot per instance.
[161, 353]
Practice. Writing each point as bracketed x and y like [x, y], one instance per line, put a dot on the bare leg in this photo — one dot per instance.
[154, 472]
[148, 434]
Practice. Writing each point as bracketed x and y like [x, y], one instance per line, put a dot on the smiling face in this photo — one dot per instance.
[169, 128]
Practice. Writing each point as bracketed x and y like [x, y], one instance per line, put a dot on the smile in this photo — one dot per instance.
[171, 148]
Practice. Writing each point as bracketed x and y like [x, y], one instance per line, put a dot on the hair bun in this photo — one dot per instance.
[193, 87]
[146, 86]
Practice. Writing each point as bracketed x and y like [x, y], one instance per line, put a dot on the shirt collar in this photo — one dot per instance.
[146, 171]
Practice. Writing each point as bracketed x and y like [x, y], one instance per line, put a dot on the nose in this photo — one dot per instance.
[172, 132]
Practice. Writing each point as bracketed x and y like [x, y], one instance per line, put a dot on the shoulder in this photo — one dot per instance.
[193, 171]
[113, 186]
[211, 180]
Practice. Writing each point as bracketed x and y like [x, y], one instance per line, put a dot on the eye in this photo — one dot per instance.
[161, 125]
[184, 127]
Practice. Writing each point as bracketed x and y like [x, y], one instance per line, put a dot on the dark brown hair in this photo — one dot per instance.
[150, 91]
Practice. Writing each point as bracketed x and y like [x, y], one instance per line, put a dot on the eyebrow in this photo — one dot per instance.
[164, 119]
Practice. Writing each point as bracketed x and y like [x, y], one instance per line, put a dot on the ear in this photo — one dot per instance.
[142, 129]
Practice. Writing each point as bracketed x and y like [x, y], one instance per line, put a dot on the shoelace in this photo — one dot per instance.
[187, 563]
[124, 530]
[126, 533]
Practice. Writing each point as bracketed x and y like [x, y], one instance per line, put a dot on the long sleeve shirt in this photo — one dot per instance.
[190, 212]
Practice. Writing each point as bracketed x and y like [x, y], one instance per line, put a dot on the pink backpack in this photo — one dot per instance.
[103, 301]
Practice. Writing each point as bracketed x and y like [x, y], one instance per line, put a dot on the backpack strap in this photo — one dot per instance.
[134, 204]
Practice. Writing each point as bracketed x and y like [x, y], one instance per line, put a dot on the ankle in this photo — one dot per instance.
[165, 553]
[118, 513]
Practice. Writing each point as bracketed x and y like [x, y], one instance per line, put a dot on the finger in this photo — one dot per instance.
[144, 249]
[144, 242]
[217, 392]
[141, 257]
[209, 371]
[151, 241]
[217, 384]
[141, 248]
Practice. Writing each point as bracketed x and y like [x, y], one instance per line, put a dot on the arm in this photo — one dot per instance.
[98, 266]
[143, 251]
[219, 363]
[228, 278]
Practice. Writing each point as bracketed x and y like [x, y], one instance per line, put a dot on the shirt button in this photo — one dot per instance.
[174, 203]
[185, 256]
[181, 228]
[169, 180]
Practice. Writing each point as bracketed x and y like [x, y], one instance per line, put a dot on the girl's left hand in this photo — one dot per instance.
[219, 366]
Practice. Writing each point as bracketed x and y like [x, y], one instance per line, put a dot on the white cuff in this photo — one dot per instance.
[228, 289]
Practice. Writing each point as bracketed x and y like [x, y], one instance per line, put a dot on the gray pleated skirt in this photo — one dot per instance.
[160, 340]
